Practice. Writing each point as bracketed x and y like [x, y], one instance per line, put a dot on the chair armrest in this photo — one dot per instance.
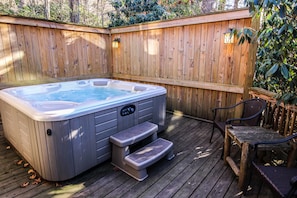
[255, 145]
[228, 121]
[279, 141]
[293, 181]
[228, 107]
[214, 110]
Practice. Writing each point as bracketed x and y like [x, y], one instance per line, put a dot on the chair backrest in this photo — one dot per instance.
[253, 107]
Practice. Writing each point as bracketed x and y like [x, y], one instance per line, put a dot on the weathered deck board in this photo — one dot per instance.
[196, 171]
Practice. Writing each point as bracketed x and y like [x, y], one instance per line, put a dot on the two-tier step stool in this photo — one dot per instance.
[135, 163]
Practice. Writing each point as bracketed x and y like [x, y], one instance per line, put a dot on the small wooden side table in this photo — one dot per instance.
[245, 137]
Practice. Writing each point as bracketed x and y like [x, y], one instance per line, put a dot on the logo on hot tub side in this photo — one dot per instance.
[127, 110]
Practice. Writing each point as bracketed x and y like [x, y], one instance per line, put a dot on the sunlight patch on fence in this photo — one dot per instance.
[6, 62]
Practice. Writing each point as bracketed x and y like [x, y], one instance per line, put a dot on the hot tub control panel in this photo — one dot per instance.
[127, 110]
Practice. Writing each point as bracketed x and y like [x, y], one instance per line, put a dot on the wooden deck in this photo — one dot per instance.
[196, 171]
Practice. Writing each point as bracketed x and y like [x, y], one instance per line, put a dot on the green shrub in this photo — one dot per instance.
[276, 64]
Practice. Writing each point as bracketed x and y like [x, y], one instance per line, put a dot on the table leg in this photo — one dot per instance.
[292, 155]
[227, 145]
[244, 163]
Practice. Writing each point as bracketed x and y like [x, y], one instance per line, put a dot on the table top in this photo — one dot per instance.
[252, 134]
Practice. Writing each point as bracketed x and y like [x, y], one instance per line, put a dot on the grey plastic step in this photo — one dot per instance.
[150, 154]
[134, 134]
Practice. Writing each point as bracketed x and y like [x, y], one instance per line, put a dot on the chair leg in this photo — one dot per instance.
[260, 188]
[248, 181]
[222, 154]
[212, 133]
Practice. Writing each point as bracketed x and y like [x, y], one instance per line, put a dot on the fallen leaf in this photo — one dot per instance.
[115, 169]
[32, 176]
[31, 171]
[8, 147]
[19, 162]
[25, 184]
[37, 181]
[26, 165]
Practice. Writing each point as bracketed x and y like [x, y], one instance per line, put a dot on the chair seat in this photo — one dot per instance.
[221, 126]
[277, 177]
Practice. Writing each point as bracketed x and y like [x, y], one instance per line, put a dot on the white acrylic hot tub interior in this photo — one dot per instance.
[60, 101]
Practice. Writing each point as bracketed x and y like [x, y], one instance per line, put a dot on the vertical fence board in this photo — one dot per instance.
[43, 44]
[22, 49]
[32, 67]
[180, 56]
[54, 54]
[216, 52]
[197, 52]
[150, 59]
[241, 71]
[63, 61]
[147, 59]
[203, 55]
[93, 53]
[116, 54]
[3, 55]
[209, 52]
[16, 55]
[69, 70]
[7, 53]
[189, 52]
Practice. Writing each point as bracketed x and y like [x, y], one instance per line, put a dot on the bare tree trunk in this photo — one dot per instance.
[47, 9]
[101, 9]
[101, 4]
[86, 11]
[20, 4]
[102, 12]
[236, 4]
[74, 7]
[33, 4]
[208, 6]
[222, 4]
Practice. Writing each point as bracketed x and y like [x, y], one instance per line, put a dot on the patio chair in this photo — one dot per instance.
[251, 113]
[282, 180]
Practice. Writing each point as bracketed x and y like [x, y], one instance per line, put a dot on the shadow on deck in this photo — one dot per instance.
[196, 171]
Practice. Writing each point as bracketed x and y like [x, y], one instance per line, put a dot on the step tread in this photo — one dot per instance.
[134, 134]
[149, 154]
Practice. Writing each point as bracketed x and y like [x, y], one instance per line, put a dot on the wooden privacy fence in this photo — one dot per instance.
[187, 56]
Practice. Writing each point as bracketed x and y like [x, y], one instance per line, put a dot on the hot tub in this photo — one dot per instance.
[63, 129]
